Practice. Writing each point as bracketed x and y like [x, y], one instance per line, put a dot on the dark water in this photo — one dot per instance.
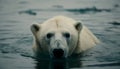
[102, 17]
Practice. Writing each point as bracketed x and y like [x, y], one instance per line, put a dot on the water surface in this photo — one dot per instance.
[102, 17]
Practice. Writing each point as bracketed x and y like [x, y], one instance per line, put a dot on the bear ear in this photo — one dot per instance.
[35, 28]
[78, 26]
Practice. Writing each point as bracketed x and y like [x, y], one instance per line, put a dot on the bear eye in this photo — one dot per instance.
[67, 35]
[49, 35]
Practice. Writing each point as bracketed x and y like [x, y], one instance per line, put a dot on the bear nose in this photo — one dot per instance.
[58, 53]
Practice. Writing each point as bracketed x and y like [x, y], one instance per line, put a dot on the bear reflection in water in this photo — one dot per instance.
[58, 64]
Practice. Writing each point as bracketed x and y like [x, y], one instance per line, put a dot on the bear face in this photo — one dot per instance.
[56, 37]
[61, 36]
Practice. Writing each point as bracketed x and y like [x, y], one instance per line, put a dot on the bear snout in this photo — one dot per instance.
[58, 53]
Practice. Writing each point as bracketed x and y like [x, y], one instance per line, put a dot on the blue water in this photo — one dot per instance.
[102, 17]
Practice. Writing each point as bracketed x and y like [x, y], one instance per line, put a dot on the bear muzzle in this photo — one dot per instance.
[58, 49]
[58, 53]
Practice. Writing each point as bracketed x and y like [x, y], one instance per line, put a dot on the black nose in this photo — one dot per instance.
[58, 53]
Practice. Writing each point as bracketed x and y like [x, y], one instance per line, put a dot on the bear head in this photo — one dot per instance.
[57, 37]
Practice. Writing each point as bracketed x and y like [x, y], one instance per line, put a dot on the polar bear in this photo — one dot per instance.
[60, 37]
